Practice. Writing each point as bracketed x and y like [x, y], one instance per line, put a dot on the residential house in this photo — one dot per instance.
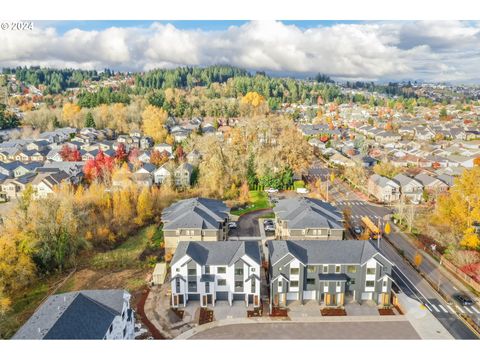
[384, 189]
[183, 175]
[430, 184]
[216, 271]
[194, 219]
[162, 174]
[308, 219]
[82, 315]
[331, 273]
[23, 169]
[13, 188]
[45, 182]
[410, 188]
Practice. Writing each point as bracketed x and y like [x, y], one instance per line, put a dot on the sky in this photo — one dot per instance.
[435, 51]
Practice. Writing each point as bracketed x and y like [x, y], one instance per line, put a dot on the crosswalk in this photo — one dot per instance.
[372, 217]
[439, 309]
[351, 203]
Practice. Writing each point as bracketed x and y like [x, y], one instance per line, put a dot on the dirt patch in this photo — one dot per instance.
[279, 312]
[333, 312]
[90, 279]
[143, 318]
[257, 312]
[206, 316]
[386, 312]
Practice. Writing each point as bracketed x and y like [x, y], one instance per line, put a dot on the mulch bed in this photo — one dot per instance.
[257, 312]
[276, 311]
[333, 312]
[141, 312]
[178, 312]
[386, 312]
[206, 316]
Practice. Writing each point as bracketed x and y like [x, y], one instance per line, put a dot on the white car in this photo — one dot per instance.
[302, 190]
[232, 225]
[270, 228]
[271, 190]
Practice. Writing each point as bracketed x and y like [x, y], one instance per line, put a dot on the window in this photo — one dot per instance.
[351, 269]
[110, 329]
[124, 331]
[325, 269]
[239, 271]
[352, 281]
[337, 269]
[310, 281]
[207, 269]
[253, 285]
[370, 271]
[221, 282]
[311, 268]
[294, 271]
[238, 284]
[207, 287]
[192, 286]
[280, 283]
[177, 270]
[339, 284]
[293, 284]
[384, 283]
[123, 315]
[221, 270]
[192, 272]
[369, 283]
[252, 270]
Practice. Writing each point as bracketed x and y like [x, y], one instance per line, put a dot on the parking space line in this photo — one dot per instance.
[475, 309]
[436, 309]
[466, 308]
[428, 307]
[461, 310]
[451, 309]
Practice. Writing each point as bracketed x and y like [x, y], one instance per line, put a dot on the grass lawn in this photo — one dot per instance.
[258, 200]
[128, 253]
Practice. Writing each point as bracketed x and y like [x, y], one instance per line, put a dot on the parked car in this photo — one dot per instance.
[232, 225]
[268, 222]
[270, 228]
[271, 190]
[464, 299]
[302, 190]
[357, 230]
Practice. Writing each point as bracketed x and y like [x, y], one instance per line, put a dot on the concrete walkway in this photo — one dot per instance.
[422, 320]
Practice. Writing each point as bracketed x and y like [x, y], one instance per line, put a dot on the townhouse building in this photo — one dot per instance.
[216, 271]
[331, 273]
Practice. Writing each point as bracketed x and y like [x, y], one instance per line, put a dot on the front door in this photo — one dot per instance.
[175, 300]
[255, 301]
[204, 300]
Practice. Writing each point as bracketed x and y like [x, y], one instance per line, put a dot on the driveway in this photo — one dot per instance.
[400, 330]
[248, 224]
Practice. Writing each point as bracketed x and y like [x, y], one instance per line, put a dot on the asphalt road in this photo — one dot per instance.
[247, 225]
[325, 330]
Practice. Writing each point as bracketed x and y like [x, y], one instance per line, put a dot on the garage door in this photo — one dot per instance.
[238, 297]
[309, 295]
[367, 296]
[292, 296]
[222, 295]
[193, 297]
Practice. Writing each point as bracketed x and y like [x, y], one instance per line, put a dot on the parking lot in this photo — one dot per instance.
[360, 330]
[247, 225]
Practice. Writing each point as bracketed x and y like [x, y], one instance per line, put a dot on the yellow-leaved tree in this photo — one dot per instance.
[154, 119]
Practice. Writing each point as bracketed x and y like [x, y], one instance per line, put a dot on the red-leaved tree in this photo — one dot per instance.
[69, 153]
[99, 169]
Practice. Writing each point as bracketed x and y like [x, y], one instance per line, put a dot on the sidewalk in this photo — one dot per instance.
[422, 320]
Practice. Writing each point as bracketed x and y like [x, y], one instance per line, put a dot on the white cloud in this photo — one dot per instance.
[444, 50]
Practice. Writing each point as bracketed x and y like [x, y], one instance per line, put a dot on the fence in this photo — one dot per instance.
[460, 274]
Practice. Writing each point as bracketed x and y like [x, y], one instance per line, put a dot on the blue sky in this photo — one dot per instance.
[206, 25]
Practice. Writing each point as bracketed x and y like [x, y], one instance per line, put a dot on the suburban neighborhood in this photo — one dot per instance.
[222, 201]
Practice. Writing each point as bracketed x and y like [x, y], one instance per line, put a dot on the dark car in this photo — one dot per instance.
[358, 230]
[464, 299]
